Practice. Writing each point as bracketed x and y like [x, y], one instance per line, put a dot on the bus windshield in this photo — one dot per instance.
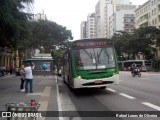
[94, 58]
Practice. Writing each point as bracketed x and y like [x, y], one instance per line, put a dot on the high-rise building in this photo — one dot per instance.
[90, 26]
[83, 29]
[104, 9]
[122, 19]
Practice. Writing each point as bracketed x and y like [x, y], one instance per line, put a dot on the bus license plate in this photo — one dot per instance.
[98, 81]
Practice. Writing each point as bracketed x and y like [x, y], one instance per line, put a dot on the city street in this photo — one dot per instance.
[132, 94]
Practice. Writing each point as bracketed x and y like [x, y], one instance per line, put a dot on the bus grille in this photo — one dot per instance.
[93, 83]
[96, 78]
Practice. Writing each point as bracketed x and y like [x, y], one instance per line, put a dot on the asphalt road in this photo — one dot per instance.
[132, 94]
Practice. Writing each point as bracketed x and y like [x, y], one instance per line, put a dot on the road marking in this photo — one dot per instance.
[151, 105]
[144, 78]
[111, 90]
[59, 101]
[127, 96]
[65, 104]
[34, 94]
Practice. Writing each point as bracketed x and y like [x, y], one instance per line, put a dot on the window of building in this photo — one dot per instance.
[132, 20]
[149, 23]
[126, 25]
[127, 30]
[154, 11]
[152, 22]
[155, 21]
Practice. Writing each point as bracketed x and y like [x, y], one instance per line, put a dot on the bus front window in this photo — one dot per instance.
[94, 58]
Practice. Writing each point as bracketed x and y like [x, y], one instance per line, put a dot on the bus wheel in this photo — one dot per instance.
[104, 87]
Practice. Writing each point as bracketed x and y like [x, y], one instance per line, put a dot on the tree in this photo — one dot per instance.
[144, 41]
[49, 35]
[121, 42]
[146, 37]
[13, 23]
[57, 56]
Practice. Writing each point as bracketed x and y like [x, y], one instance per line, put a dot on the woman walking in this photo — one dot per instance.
[22, 77]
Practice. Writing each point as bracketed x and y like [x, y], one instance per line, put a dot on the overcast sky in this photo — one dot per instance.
[70, 13]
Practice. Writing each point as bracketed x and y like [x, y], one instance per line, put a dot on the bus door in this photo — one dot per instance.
[70, 79]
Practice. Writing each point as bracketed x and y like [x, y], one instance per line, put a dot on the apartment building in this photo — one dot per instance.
[104, 9]
[83, 29]
[90, 26]
[123, 18]
[100, 17]
[143, 15]
[148, 14]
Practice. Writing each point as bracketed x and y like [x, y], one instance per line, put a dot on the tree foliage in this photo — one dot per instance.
[144, 41]
[57, 56]
[13, 23]
[49, 35]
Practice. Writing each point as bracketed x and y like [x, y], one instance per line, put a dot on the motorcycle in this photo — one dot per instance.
[135, 72]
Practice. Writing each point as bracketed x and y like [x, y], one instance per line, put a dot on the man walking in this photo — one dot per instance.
[28, 76]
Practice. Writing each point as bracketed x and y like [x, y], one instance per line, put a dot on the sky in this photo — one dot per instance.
[70, 13]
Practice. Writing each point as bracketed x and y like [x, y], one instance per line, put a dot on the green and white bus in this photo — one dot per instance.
[89, 63]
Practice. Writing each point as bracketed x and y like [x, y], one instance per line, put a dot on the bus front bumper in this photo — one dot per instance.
[92, 83]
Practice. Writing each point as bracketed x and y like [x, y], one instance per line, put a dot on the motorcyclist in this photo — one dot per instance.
[133, 67]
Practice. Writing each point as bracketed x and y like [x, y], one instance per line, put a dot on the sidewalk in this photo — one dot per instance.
[44, 88]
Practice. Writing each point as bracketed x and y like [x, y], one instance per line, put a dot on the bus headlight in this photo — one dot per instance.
[79, 77]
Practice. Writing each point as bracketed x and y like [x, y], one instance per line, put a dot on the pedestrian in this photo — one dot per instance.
[11, 70]
[28, 76]
[22, 78]
[14, 71]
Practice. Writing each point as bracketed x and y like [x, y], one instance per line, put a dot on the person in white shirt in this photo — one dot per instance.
[28, 77]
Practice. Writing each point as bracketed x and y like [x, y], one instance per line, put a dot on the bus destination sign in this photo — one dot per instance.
[92, 43]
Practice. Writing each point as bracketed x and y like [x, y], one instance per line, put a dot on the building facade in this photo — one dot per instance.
[83, 29]
[122, 19]
[143, 15]
[148, 14]
[104, 9]
[90, 26]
